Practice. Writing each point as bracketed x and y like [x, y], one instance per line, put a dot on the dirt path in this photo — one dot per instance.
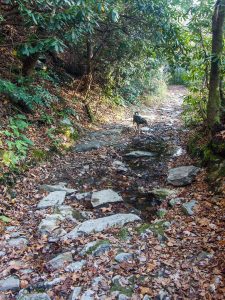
[160, 242]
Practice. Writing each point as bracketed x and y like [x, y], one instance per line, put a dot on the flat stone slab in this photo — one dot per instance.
[85, 147]
[10, 283]
[53, 199]
[59, 261]
[136, 154]
[104, 197]
[98, 225]
[182, 176]
[57, 188]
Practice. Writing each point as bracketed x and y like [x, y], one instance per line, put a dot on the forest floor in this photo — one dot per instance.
[172, 248]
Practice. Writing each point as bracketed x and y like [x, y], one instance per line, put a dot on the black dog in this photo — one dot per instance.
[138, 120]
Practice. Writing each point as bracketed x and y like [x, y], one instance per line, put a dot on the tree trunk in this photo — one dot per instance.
[214, 100]
[29, 63]
[88, 79]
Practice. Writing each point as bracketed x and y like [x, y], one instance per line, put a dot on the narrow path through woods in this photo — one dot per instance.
[104, 223]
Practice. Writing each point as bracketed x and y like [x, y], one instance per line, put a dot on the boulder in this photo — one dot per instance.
[101, 224]
[137, 154]
[104, 197]
[10, 283]
[182, 176]
[59, 261]
[53, 199]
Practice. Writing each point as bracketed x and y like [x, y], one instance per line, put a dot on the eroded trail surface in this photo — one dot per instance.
[107, 222]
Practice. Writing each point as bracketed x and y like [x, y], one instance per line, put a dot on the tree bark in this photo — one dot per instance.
[214, 100]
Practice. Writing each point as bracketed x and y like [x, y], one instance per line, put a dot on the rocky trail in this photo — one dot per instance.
[122, 216]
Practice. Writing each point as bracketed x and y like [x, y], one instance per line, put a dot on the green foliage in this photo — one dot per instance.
[31, 95]
[39, 155]
[5, 219]
[16, 142]
[46, 118]
[194, 109]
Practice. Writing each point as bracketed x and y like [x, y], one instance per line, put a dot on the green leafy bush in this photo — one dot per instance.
[17, 144]
[28, 94]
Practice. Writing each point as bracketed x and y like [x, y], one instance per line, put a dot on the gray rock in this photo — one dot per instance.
[104, 197]
[146, 297]
[175, 201]
[56, 235]
[101, 249]
[137, 154]
[75, 266]
[66, 122]
[99, 225]
[94, 145]
[163, 295]
[35, 296]
[59, 261]
[10, 228]
[15, 234]
[82, 196]
[189, 206]
[2, 253]
[88, 247]
[57, 188]
[97, 280]
[53, 199]
[88, 295]
[50, 223]
[121, 257]
[182, 176]
[120, 166]
[145, 129]
[123, 297]
[163, 193]
[46, 284]
[67, 212]
[10, 283]
[75, 293]
[18, 243]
